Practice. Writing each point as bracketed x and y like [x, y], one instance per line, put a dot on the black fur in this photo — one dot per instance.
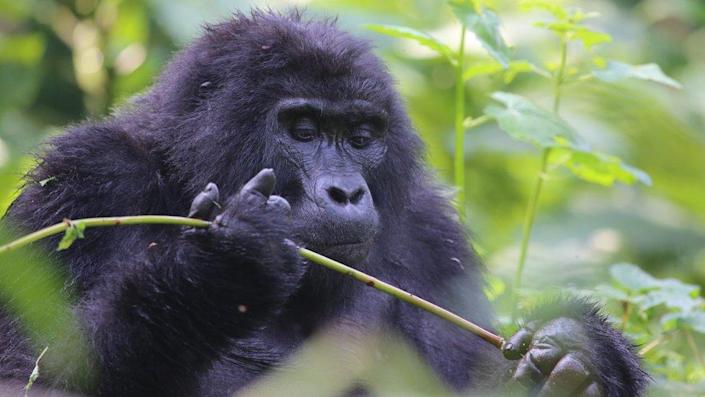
[161, 305]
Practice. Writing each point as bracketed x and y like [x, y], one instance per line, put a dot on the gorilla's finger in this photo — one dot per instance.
[545, 356]
[262, 183]
[591, 391]
[517, 345]
[527, 373]
[568, 377]
[279, 204]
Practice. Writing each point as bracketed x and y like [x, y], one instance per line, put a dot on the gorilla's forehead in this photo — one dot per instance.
[291, 57]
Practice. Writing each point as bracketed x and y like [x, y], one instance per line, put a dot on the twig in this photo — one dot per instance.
[35, 373]
[311, 256]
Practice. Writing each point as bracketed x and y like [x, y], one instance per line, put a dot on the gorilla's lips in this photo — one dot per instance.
[348, 253]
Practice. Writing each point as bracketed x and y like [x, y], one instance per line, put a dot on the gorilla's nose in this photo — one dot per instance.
[346, 197]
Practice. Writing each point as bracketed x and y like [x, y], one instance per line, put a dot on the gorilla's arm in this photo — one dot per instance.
[157, 316]
[567, 348]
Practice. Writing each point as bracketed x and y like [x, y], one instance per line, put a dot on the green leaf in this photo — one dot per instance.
[602, 169]
[74, 232]
[694, 321]
[482, 69]
[485, 25]
[591, 38]
[618, 71]
[609, 292]
[575, 31]
[555, 7]
[632, 277]
[527, 122]
[420, 37]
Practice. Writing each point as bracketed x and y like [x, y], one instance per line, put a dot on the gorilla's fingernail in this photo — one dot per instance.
[263, 182]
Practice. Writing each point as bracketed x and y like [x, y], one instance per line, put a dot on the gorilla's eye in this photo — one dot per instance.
[362, 137]
[304, 129]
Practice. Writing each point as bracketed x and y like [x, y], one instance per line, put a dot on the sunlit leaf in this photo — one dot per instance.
[420, 37]
[74, 232]
[555, 7]
[618, 71]
[525, 121]
[591, 38]
[482, 69]
[599, 168]
[575, 31]
[485, 25]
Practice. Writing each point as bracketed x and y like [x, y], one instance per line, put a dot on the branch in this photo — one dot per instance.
[309, 255]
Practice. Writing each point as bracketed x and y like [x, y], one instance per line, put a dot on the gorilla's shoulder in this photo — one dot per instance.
[92, 169]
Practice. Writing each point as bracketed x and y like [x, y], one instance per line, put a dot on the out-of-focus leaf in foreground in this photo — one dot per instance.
[420, 37]
[32, 291]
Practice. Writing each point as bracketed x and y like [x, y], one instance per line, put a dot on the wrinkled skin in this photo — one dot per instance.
[299, 127]
[553, 359]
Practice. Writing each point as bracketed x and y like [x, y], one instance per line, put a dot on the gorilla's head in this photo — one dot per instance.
[304, 98]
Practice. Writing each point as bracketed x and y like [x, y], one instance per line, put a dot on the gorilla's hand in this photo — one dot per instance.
[245, 247]
[553, 359]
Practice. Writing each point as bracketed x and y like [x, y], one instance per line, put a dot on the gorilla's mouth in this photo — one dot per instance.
[349, 253]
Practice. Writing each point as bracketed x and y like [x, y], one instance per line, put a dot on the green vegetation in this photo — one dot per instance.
[519, 105]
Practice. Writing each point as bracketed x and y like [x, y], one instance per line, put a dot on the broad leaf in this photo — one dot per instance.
[74, 232]
[618, 71]
[420, 37]
[527, 122]
[693, 320]
[485, 25]
[632, 277]
[602, 169]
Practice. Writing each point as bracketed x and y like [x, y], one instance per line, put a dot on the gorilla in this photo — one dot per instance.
[300, 128]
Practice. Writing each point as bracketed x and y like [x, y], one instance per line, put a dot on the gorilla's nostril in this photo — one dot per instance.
[357, 196]
[337, 195]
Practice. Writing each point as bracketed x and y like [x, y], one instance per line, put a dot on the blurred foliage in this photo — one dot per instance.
[62, 61]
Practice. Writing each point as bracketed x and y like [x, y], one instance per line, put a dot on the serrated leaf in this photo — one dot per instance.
[485, 25]
[618, 71]
[525, 121]
[602, 169]
[632, 277]
[420, 37]
[74, 232]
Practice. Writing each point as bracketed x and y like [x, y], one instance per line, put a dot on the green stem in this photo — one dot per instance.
[102, 222]
[313, 257]
[560, 76]
[530, 215]
[402, 295]
[528, 226]
[694, 348]
[459, 169]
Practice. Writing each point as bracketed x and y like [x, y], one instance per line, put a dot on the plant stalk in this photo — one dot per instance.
[530, 215]
[311, 256]
[402, 295]
[459, 168]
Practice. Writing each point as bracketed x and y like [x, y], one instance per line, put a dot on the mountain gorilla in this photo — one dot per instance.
[177, 311]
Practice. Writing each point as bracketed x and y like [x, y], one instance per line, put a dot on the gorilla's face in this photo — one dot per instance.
[334, 146]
